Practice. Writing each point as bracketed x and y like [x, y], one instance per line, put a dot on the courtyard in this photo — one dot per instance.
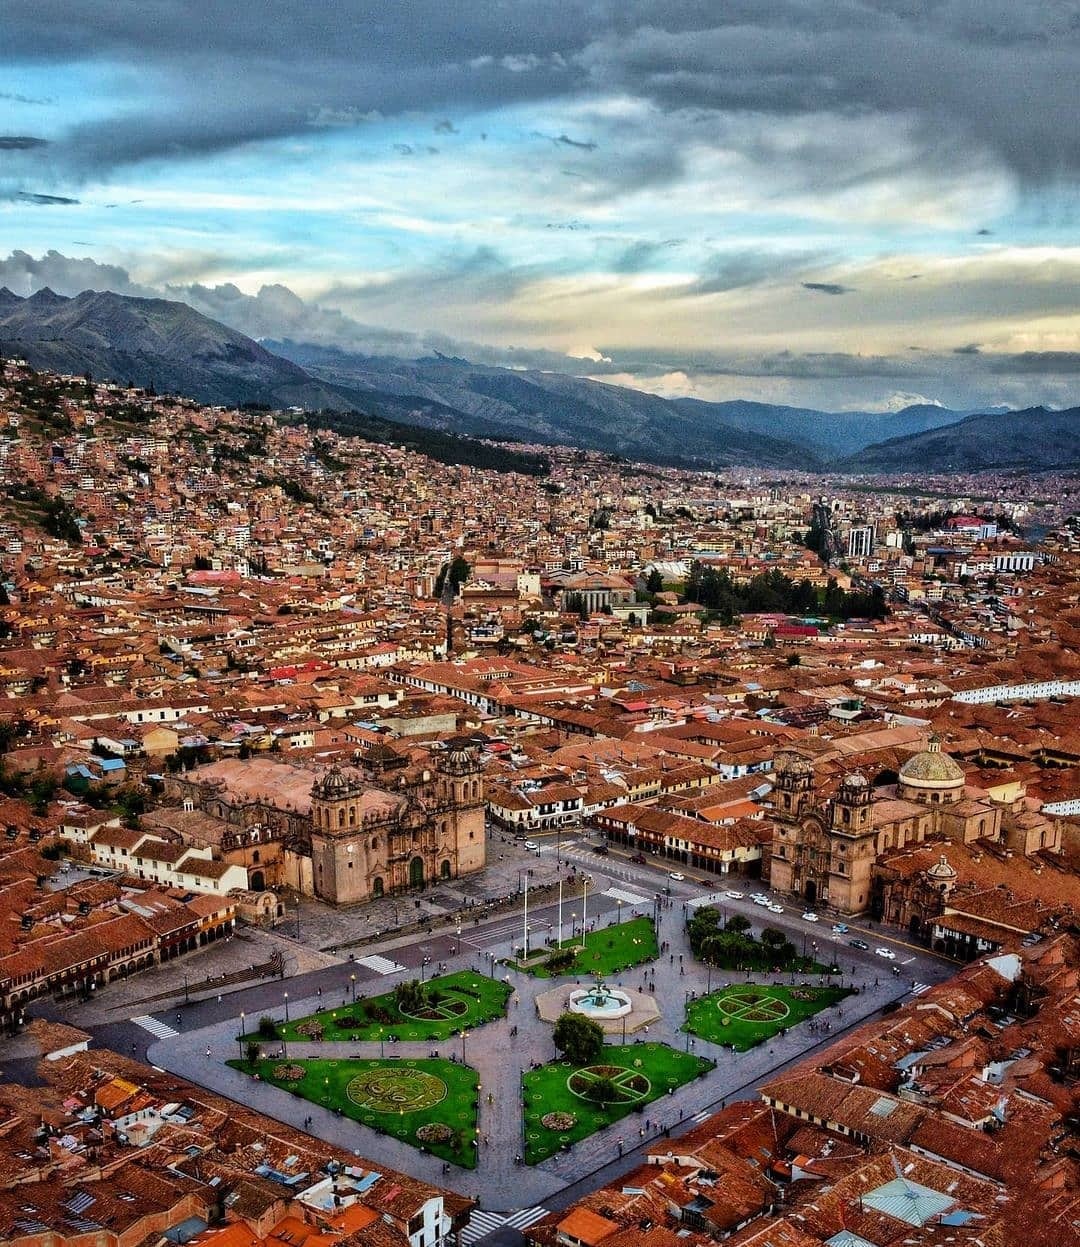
[745, 1015]
[444, 1007]
[429, 1104]
[604, 951]
[564, 1104]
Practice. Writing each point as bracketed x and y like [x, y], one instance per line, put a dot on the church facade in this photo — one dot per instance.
[396, 825]
[825, 851]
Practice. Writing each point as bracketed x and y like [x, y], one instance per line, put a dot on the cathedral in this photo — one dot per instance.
[825, 850]
[389, 821]
[396, 825]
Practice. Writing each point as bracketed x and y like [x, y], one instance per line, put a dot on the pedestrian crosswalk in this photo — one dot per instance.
[481, 1224]
[160, 1030]
[919, 988]
[381, 965]
[627, 898]
[702, 1116]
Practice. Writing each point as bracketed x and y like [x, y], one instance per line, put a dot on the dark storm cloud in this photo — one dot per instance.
[826, 287]
[20, 142]
[45, 201]
[1035, 363]
[220, 76]
[972, 348]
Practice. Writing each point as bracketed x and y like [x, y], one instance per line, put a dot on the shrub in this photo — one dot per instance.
[267, 1028]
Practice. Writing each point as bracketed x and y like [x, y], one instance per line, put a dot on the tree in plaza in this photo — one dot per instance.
[738, 924]
[578, 1038]
[252, 1050]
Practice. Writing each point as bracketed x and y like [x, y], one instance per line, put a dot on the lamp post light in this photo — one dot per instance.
[464, 1036]
[286, 1008]
[382, 1050]
[457, 946]
[240, 1037]
[352, 980]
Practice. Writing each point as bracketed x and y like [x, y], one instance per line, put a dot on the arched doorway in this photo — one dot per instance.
[445, 868]
[811, 893]
[258, 881]
[416, 873]
[377, 886]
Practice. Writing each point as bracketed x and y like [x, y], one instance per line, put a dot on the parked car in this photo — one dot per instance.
[639, 858]
[887, 953]
[858, 944]
[734, 896]
[602, 849]
[809, 917]
[532, 845]
[676, 875]
[775, 909]
[840, 928]
[760, 900]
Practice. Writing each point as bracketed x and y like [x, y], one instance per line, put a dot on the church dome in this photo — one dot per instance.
[855, 782]
[941, 871]
[931, 769]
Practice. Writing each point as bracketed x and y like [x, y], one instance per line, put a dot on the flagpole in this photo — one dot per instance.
[525, 942]
[560, 911]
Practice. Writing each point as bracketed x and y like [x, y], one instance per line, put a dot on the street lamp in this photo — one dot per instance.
[286, 1008]
[382, 1050]
[240, 1037]
[457, 947]
[352, 979]
[464, 1035]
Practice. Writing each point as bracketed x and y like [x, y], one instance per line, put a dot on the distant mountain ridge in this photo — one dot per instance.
[1035, 439]
[174, 348]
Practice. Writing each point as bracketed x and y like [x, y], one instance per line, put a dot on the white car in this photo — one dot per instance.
[533, 845]
[734, 896]
[674, 874]
[760, 900]
[887, 953]
[809, 917]
[776, 909]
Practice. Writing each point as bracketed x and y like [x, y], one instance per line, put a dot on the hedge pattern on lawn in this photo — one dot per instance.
[746, 1014]
[398, 1098]
[642, 1073]
[607, 951]
[454, 1002]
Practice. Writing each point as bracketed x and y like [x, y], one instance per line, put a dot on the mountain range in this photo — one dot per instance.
[173, 348]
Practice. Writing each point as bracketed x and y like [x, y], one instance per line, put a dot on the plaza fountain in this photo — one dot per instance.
[600, 1002]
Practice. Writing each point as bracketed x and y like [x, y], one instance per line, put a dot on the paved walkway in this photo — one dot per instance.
[500, 1058]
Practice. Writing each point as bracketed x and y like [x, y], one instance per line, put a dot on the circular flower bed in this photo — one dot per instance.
[435, 1132]
[559, 1121]
[288, 1073]
[310, 1030]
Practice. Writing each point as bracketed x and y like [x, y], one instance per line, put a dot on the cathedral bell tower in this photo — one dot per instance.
[851, 807]
[794, 788]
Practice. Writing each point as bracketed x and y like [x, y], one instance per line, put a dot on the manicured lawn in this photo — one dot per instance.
[607, 951]
[642, 1073]
[395, 1097]
[747, 1014]
[454, 1002]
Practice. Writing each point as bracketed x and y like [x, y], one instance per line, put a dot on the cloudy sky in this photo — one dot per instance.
[840, 203]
